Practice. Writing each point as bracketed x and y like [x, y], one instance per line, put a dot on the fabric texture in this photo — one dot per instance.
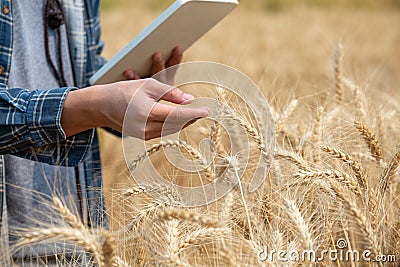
[30, 120]
[31, 184]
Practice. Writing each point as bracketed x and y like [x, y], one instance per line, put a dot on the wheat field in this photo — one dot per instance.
[331, 78]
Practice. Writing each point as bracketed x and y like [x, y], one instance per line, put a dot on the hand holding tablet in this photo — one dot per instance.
[181, 25]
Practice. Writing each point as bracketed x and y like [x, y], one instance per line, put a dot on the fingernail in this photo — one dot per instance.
[158, 57]
[187, 97]
[178, 50]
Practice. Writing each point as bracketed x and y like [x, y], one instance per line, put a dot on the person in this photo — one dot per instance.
[49, 112]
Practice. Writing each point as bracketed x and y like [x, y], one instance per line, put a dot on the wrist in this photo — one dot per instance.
[81, 111]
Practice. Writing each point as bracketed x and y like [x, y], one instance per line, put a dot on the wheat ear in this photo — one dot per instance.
[360, 112]
[68, 216]
[317, 134]
[172, 238]
[338, 72]
[251, 131]
[82, 239]
[199, 235]
[300, 223]
[286, 115]
[350, 161]
[388, 175]
[335, 174]
[216, 129]
[108, 248]
[373, 144]
[359, 216]
[173, 144]
[292, 157]
[118, 262]
[228, 256]
[186, 215]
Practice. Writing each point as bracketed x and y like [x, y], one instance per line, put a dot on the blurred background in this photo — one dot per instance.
[285, 46]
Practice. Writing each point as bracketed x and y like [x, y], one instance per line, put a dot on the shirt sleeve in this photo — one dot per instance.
[30, 127]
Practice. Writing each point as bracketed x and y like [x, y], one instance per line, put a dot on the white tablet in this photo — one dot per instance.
[181, 24]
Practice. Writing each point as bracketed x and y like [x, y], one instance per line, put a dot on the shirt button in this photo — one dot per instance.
[6, 10]
[1, 70]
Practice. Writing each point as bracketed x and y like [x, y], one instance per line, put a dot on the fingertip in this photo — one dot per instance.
[157, 57]
[129, 74]
[178, 50]
[187, 97]
[205, 112]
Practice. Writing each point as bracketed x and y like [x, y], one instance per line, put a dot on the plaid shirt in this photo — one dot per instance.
[30, 120]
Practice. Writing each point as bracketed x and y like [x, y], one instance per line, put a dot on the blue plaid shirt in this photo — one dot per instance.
[30, 120]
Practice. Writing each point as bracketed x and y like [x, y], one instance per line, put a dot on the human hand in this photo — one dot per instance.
[133, 102]
[159, 64]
